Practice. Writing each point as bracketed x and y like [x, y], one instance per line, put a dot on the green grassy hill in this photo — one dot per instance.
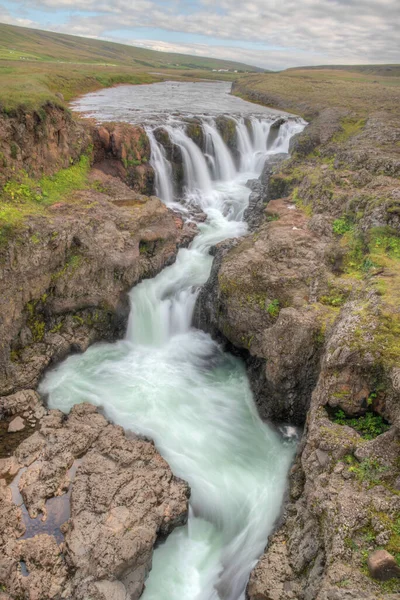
[379, 70]
[20, 43]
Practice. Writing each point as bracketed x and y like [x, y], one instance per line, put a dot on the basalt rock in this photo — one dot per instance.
[63, 279]
[122, 497]
[124, 150]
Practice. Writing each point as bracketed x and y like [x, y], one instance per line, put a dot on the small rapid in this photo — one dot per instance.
[173, 383]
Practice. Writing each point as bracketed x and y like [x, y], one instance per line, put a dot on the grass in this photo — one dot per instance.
[35, 64]
[19, 43]
[368, 470]
[24, 196]
[28, 86]
[307, 91]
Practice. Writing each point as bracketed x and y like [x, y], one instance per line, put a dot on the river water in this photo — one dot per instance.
[172, 382]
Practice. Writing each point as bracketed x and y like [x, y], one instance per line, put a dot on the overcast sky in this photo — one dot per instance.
[272, 34]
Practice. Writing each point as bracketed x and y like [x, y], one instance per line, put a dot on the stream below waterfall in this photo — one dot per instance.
[172, 382]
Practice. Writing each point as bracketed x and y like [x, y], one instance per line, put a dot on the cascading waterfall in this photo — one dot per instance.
[173, 383]
[163, 170]
[222, 164]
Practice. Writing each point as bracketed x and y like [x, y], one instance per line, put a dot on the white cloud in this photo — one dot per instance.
[302, 31]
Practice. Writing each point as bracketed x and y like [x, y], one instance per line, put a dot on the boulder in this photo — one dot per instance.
[382, 565]
[17, 424]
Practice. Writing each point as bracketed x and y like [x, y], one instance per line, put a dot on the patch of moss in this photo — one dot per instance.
[273, 308]
[369, 425]
[342, 225]
[35, 321]
[349, 127]
[24, 196]
[305, 208]
[13, 150]
[369, 470]
[69, 267]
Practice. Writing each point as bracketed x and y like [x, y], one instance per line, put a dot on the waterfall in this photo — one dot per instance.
[197, 176]
[162, 168]
[245, 146]
[223, 167]
[173, 383]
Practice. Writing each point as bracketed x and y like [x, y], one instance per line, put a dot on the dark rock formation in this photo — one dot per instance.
[41, 142]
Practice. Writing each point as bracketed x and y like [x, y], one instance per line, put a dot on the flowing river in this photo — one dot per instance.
[172, 382]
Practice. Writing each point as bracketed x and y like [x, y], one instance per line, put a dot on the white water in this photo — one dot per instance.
[173, 383]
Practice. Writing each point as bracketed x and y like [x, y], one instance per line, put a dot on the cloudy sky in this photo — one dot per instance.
[272, 34]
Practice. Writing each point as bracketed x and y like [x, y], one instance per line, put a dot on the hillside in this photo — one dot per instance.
[308, 91]
[20, 43]
[390, 70]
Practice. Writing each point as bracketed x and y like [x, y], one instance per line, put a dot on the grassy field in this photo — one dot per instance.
[29, 85]
[35, 64]
[305, 91]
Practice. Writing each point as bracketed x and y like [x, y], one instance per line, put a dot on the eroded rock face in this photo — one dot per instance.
[122, 497]
[278, 266]
[41, 142]
[63, 279]
[124, 150]
[320, 345]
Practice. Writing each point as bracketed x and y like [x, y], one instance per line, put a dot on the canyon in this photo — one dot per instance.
[290, 264]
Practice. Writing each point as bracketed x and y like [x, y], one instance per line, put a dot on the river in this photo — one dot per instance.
[172, 382]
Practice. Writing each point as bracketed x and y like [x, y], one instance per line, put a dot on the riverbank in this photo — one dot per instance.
[313, 298]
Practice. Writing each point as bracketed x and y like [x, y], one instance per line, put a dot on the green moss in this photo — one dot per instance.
[369, 470]
[24, 196]
[35, 321]
[56, 327]
[305, 208]
[69, 267]
[144, 247]
[349, 128]
[273, 308]
[335, 298]
[13, 150]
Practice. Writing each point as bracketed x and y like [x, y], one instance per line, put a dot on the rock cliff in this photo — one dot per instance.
[310, 300]
[87, 501]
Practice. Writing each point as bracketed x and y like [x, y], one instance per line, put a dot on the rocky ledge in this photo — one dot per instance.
[64, 277]
[310, 299]
[87, 503]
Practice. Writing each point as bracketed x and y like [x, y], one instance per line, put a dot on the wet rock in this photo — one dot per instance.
[124, 496]
[383, 566]
[16, 424]
[263, 286]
